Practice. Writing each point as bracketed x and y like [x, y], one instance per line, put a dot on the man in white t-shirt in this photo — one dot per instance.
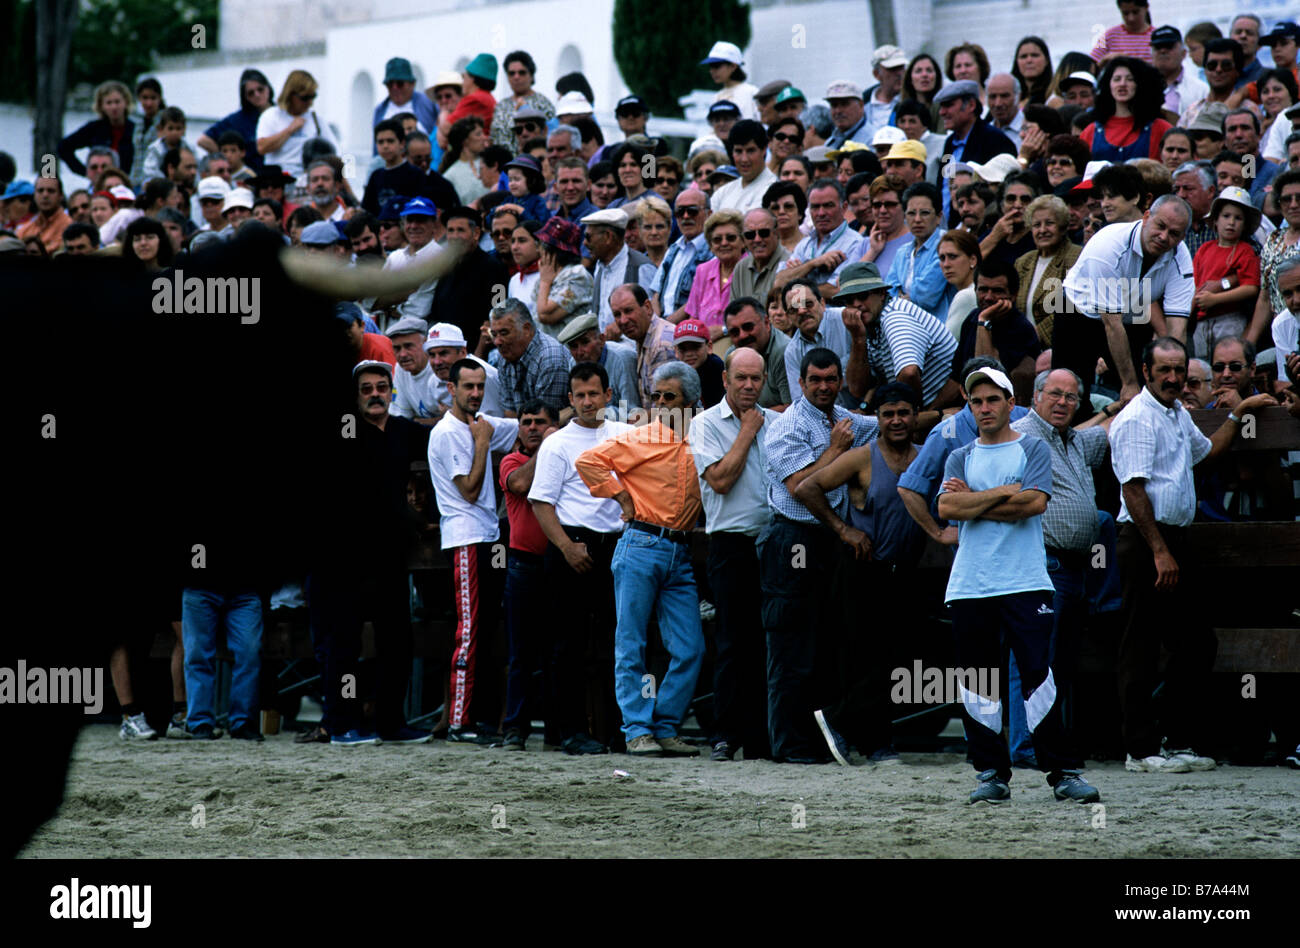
[583, 531]
[460, 467]
[445, 345]
[415, 387]
[746, 146]
[420, 226]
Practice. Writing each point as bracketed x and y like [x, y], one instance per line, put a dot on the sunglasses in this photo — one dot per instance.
[368, 388]
[501, 234]
[306, 98]
[725, 238]
[783, 137]
[689, 211]
[523, 129]
[761, 234]
[1289, 198]
[1220, 65]
[666, 180]
[881, 205]
[664, 396]
[1234, 366]
[734, 331]
[1059, 162]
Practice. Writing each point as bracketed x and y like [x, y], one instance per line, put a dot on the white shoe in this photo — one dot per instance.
[708, 612]
[1194, 762]
[1157, 764]
[136, 728]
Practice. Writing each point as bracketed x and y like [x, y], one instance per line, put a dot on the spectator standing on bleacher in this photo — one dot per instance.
[1154, 446]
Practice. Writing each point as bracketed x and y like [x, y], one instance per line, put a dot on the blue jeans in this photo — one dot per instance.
[654, 573]
[202, 610]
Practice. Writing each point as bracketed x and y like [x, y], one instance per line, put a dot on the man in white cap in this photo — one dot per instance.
[572, 106]
[1000, 594]
[848, 113]
[211, 196]
[884, 139]
[887, 65]
[726, 69]
[237, 207]
[616, 262]
[1079, 88]
[445, 345]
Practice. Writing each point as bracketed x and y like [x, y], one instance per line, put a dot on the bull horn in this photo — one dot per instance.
[328, 277]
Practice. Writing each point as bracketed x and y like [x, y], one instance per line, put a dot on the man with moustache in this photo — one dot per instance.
[586, 344]
[445, 346]
[749, 327]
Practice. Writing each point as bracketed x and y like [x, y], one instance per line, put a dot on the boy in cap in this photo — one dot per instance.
[691, 339]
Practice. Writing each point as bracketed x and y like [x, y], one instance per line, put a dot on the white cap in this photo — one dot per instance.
[237, 197]
[888, 135]
[372, 365]
[610, 217]
[448, 77]
[723, 52]
[573, 103]
[123, 193]
[1090, 170]
[996, 168]
[989, 375]
[213, 187]
[1081, 76]
[444, 336]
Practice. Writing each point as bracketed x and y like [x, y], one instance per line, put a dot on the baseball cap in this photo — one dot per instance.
[119, 191]
[349, 312]
[953, 90]
[1064, 189]
[818, 154]
[610, 217]
[213, 187]
[529, 114]
[1077, 77]
[407, 325]
[691, 330]
[320, 234]
[398, 69]
[237, 197]
[888, 57]
[848, 148]
[790, 94]
[996, 168]
[1165, 36]
[908, 150]
[576, 327]
[419, 207]
[630, 105]
[25, 189]
[843, 89]
[1283, 29]
[391, 209]
[861, 277]
[769, 89]
[887, 135]
[989, 375]
[573, 103]
[1089, 172]
[444, 336]
[724, 108]
[724, 173]
[723, 52]
[372, 365]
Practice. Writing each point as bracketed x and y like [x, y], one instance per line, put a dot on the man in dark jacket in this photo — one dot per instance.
[970, 138]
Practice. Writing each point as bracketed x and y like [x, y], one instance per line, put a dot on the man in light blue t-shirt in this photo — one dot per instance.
[996, 488]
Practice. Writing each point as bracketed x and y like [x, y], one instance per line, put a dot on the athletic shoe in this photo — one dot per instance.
[202, 732]
[514, 740]
[991, 789]
[463, 735]
[1194, 762]
[885, 755]
[722, 751]
[1157, 764]
[1074, 787]
[355, 738]
[644, 746]
[246, 732]
[313, 735]
[407, 735]
[1293, 759]
[176, 727]
[578, 744]
[838, 746]
[708, 611]
[676, 747]
[136, 728]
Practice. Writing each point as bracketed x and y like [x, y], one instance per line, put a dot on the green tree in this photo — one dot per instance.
[658, 46]
[119, 39]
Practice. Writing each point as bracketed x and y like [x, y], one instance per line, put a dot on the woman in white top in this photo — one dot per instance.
[959, 255]
[526, 252]
[283, 130]
[460, 163]
[725, 70]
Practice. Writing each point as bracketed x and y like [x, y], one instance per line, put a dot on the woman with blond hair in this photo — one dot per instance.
[112, 128]
[711, 289]
[284, 129]
[656, 220]
[1043, 269]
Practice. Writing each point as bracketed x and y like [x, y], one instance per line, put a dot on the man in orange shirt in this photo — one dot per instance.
[660, 495]
[51, 219]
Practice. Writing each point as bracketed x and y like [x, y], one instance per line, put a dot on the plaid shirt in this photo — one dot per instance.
[1070, 521]
[797, 439]
[541, 372]
[653, 351]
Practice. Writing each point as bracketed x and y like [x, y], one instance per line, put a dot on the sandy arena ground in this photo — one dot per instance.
[440, 800]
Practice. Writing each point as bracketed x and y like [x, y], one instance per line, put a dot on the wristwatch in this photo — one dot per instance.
[985, 324]
[1226, 283]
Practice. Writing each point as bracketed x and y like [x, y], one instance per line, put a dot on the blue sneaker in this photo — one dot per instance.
[884, 755]
[407, 735]
[838, 746]
[991, 789]
[355, 738]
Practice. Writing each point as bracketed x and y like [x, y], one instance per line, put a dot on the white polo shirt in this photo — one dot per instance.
[556, 481]
[743, 509]
[451, 454]
[1108, 278]
[1159, 445]
[738, 196]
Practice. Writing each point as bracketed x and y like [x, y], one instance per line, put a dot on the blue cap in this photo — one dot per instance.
[723, 108]
[391, 209]
[18, 189]
[349, 312]
[319, 234]
[422, 206]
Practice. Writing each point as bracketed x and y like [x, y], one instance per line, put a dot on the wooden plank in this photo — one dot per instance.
[1245, 545]
[1259, 651]
[1275, 429]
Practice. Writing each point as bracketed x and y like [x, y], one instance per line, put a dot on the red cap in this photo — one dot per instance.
[691, 330]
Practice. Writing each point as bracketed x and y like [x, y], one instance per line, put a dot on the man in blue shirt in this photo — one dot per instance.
[999, 591]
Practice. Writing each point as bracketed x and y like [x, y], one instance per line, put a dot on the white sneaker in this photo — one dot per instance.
[136, 728]
[1157, 764]
[1194, 762]
[708, 612]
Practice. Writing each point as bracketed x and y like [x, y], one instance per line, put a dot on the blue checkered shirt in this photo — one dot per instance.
[796, 440]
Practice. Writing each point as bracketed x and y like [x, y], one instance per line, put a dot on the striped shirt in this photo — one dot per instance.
[797, 439]
[907, 335]
[1070, 521]
[1118, 40]
[541, 372]
[1159, 445]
